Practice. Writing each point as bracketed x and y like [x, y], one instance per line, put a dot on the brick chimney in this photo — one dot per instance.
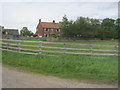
[53, 21]
[39, 20]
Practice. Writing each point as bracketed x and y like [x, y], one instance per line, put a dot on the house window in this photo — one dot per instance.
[39, 36]
[6, 33]
[52, 29]
[58, 30]
[46, 29]
[46, 35]
[3, 33]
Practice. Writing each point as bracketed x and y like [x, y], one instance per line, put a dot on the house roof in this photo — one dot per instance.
[11, 31]
[49, 25]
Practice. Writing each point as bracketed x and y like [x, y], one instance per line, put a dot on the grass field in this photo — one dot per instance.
[115, 42]
[81, 67]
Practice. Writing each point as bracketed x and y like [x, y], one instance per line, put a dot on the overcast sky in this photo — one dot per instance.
[26, 14]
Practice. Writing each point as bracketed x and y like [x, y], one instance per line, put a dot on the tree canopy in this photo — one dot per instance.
[26, 32]
[90, 28]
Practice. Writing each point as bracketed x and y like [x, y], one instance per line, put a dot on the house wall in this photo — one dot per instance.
[10, 36]
[50, 31]
[39, 30]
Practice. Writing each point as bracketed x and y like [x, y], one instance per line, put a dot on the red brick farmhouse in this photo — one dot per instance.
[44, 29]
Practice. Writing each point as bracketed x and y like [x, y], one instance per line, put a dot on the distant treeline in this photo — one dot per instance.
[89, 28]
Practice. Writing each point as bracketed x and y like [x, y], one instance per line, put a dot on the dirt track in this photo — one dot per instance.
[13, 78]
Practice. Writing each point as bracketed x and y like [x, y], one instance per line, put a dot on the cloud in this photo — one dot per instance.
[18, 15]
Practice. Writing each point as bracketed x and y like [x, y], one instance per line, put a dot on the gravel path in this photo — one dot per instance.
[12, 78]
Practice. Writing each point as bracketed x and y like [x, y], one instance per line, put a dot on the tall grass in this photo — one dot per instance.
[81, 67]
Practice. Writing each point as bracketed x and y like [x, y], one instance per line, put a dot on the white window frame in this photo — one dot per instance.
[58, 30]
[46, 34]
[46, 29]
[39, 35]
[52, 29]
[6, 33]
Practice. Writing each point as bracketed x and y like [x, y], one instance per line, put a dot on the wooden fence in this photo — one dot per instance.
[8, 46]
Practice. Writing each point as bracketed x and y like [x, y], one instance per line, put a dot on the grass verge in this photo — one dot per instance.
[80, 67]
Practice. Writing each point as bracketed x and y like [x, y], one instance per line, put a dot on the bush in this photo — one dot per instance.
[54, 35]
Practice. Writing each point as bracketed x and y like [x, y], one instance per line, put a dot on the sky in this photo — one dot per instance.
[27, 14]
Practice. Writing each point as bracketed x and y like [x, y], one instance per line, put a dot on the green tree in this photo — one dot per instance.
[84, 28]
[65, 22]
[108, 29]
[96, 27]
[117, 26]
[89, 28]
[26, 32]
[64, 25]
[35, 35]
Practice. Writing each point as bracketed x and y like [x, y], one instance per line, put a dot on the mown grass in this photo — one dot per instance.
[99, 42]
[80, 67]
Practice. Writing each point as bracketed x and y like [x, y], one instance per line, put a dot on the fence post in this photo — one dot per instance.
[19, 47]
[40, 48]
[115, 50]
[90, 46]
[7, 45]
[64, 48]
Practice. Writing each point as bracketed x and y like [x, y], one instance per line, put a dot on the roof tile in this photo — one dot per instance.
[49, 25]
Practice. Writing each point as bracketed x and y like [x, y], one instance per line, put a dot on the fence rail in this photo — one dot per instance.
[58, 47]
[22, 50]
[62, 43]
